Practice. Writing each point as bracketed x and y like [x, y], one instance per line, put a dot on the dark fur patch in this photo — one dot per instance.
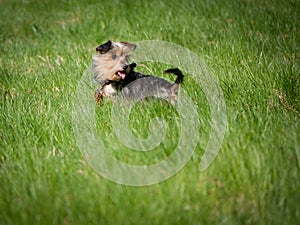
[104, 48]
[178, 73]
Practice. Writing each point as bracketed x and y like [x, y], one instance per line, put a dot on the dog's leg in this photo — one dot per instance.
[98, 96]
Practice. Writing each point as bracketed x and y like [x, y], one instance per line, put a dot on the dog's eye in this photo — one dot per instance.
[113, 56]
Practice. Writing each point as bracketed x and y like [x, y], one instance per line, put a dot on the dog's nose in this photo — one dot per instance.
[125, 67]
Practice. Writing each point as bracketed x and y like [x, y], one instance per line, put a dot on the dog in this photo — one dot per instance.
[114, 74]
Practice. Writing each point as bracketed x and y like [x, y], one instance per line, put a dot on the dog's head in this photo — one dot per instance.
[112, 61]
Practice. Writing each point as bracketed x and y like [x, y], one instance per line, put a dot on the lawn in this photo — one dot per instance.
[252, 47]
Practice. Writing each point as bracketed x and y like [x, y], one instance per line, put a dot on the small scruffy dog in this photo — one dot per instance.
[113, 73]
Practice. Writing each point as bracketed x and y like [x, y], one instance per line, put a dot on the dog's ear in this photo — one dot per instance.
[104, 48]
[132, 66]
[130, 46]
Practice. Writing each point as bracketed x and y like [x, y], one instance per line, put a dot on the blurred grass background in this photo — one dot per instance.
[252, 46]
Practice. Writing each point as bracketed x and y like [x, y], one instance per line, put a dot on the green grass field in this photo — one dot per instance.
[251, 46]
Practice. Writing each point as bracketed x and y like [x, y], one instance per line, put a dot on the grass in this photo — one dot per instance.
[251, 46]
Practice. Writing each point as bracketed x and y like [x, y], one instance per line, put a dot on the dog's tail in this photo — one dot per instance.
[178, 73]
